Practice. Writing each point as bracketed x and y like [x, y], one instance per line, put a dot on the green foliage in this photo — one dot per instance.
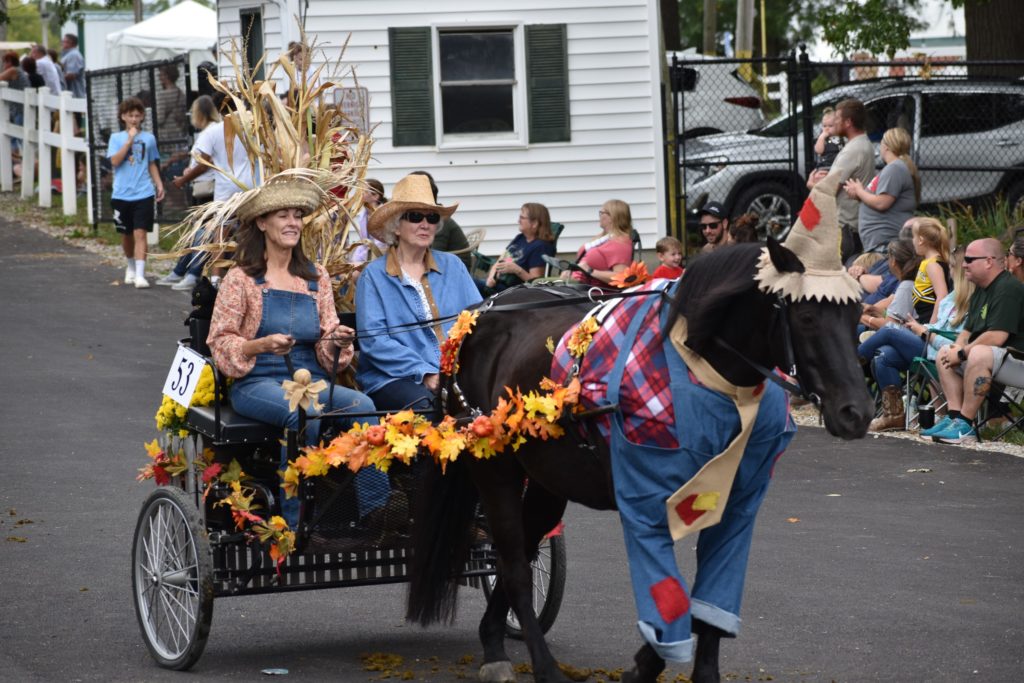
[876, 26]
[788, 22]
[24, 24]
[994, 219]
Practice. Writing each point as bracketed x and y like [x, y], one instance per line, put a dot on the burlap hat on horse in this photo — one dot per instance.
[411, 193]
[815, 238]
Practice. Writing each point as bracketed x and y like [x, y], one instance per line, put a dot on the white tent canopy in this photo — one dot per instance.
[185, 27]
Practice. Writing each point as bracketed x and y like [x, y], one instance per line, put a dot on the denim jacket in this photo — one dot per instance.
[385, 300]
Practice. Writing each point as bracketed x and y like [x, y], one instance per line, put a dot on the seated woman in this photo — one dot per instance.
[903, 264]
[892, 349]
[276, 303]
[601, 258]
[523, 258]
[401, 295]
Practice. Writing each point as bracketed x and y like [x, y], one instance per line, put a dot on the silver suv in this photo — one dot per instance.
[968, 141]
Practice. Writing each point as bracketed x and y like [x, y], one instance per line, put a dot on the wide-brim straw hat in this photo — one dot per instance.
[411, 193]
[815, 238]
[284, 193]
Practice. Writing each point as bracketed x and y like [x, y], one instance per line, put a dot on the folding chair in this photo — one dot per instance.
[473, 239]
[1003, 401]
[922, 382]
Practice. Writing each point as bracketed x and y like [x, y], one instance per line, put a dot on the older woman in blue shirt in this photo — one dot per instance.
[409, 284]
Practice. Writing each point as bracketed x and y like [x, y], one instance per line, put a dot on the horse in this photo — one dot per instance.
[728, 317]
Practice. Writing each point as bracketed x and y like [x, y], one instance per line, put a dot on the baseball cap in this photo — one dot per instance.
[713, 209]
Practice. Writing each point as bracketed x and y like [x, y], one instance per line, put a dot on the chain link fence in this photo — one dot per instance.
[165, 89]
[966, 121]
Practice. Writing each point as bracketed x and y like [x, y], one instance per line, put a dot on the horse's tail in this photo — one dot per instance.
[445, 508]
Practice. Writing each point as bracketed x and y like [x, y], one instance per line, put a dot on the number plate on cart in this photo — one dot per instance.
[184, 376]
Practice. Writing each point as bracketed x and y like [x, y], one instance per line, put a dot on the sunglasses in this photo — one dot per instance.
[972, 259]
[418, 216]
[710, 226]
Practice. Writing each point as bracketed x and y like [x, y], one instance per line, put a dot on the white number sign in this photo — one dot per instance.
[184, 375]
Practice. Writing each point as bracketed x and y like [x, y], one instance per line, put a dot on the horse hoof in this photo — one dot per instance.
[497, 672]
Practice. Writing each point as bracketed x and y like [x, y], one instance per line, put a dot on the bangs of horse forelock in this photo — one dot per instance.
[709, 286]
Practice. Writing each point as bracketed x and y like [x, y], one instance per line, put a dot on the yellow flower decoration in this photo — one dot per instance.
[582, 337]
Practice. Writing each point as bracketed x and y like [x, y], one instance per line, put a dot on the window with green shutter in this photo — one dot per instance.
[495, 85]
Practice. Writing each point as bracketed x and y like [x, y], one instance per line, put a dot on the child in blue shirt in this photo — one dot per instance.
[137, 186]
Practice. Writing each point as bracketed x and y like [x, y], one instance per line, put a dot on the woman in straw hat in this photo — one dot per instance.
[276, 303]
[412, 283]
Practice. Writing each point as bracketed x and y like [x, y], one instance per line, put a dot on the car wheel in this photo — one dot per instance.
[773, 204]
[1015, 199]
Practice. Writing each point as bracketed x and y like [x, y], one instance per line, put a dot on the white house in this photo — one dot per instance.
[550, 101]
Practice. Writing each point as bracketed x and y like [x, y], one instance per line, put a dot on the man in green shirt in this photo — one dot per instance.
[995, 321]
[449, 236]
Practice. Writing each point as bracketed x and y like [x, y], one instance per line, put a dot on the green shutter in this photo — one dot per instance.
[547, 82]
[412, 87]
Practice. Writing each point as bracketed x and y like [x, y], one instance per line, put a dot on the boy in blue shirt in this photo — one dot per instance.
[133, 154]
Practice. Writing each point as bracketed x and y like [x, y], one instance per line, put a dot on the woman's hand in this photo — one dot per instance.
[855, 271]
[431, 381]
[278, 344]
[342, 338]
[508, 266]
[853, 188]
[915, 327]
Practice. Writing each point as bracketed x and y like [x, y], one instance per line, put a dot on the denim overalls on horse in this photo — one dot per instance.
[259, 394]
[688, 424]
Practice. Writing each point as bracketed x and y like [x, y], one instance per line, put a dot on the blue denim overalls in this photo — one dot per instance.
[259, 394]
[645, 476]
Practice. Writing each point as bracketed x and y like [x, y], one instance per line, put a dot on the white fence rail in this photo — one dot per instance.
[37, 138]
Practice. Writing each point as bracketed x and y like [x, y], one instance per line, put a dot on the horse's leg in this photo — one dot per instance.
[501, 495]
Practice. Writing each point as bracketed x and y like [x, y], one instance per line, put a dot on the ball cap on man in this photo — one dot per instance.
[713, 209]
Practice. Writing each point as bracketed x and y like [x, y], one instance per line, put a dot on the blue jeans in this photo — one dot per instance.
[403, 394]
[192, 262]
[891, 350]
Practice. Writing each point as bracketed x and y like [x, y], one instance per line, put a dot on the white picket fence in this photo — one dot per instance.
[38, 139]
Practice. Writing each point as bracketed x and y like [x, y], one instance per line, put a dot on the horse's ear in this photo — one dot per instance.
[784, 260]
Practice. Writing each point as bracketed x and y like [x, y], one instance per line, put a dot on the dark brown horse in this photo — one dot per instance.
[720, 301]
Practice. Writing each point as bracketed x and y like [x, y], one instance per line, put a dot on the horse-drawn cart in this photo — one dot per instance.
[188, 550]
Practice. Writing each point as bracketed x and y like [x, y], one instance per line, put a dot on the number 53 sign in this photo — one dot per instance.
[184, 376]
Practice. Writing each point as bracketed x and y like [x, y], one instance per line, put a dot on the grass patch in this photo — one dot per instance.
[991, 219]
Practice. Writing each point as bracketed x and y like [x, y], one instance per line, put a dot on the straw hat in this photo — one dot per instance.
[284, 193]
[411, 193]
[815, 238]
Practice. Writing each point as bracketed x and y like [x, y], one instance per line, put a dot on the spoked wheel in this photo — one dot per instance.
[172, 578]
[548, 586]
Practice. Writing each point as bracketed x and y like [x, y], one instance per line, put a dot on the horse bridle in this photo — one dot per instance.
[781, 307]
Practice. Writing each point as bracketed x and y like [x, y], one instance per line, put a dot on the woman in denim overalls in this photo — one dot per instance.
[275, 304]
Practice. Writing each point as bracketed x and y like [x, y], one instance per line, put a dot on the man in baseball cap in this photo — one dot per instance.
[714, 222]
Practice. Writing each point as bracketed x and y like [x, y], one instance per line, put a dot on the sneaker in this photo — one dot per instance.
[129, 275]
[187, 283]
[169, 279]
[939, 426]
[960, 431]
[141, 283]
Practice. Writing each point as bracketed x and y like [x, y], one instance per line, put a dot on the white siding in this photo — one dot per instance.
[616, 148]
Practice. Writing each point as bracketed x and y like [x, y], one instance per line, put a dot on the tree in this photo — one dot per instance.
[994, 28]
[875, 26]
[789, 22]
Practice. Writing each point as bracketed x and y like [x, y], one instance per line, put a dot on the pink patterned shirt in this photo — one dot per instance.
[237, 314]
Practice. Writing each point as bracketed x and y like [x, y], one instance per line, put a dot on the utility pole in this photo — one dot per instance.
[44, 19]
[745, 35]
[137, 6]
[710, 46]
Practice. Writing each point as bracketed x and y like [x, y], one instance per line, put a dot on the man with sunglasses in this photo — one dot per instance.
[995, 321]
[714, 225]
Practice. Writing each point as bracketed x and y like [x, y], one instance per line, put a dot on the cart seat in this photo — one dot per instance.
[233, 428]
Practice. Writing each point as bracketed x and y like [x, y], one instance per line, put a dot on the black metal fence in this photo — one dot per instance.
[165, 89]
[746, 129]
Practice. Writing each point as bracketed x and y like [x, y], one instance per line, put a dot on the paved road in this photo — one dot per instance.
[861, 571]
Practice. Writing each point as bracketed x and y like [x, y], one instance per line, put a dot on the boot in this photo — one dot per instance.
[893, 416]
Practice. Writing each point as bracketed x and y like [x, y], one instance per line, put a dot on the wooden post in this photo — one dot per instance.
[68, 170]
[45, 155]
[29, 142]
[6, 165]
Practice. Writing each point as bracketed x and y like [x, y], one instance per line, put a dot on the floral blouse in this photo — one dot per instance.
[237, 314]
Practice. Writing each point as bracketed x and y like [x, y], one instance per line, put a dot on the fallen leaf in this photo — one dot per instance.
[792, 520]
[12, 512]
[17, 539]
[833, 495]
[919, 469]
[115, 283]
[23, 521]
[83, 590]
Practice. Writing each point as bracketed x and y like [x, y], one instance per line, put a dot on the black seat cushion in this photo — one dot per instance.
[234, 428]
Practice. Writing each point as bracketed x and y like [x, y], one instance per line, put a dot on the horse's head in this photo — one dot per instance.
[822, 333]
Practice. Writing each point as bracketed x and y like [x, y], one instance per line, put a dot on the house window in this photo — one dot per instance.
[491, 86]
[478, 81]
[252, 40]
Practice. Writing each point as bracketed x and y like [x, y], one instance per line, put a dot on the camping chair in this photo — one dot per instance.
[483, 263]
[922, 382]
[473, 239]
[1003, 401]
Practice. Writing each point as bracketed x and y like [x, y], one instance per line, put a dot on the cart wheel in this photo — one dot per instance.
[548, 586]
[172, 578]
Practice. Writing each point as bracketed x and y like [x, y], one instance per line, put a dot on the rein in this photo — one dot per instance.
[789, 358]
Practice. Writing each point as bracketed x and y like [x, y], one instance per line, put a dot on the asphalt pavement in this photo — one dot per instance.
[876, 560]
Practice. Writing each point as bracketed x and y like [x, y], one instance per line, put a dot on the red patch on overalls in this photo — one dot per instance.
[670, 599]
[809, 215]
[758, 389]
[686, 512]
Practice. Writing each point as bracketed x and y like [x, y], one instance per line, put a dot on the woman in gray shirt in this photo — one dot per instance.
[890, 199]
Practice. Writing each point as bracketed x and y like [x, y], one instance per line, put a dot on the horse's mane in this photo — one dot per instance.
[709, 287]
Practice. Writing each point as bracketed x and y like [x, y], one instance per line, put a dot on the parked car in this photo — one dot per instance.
[968, 141]
[716, 98]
